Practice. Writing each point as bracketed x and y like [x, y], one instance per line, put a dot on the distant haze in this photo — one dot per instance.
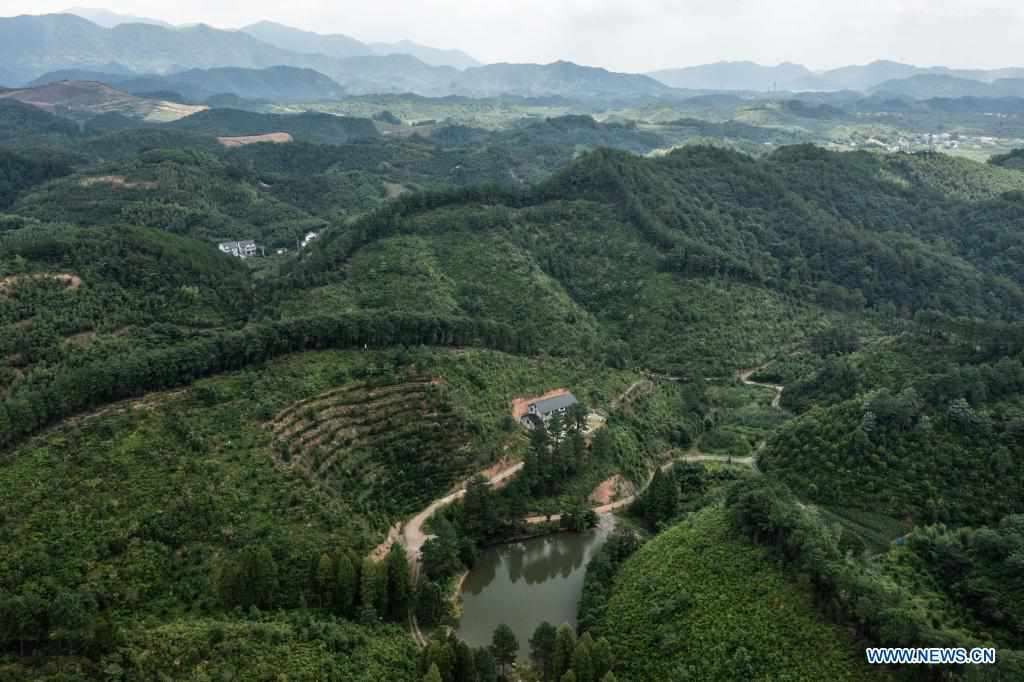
[636, 35]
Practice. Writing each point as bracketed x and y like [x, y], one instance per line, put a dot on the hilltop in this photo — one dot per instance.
[89, 98]
[199, 451]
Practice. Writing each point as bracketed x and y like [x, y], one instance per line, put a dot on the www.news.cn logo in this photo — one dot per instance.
[931, 656]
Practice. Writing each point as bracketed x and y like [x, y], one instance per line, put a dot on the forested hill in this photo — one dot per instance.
[846, 230]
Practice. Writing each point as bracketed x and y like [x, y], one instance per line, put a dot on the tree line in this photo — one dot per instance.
[49, 395]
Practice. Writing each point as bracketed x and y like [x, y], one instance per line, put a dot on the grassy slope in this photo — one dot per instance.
[139, 506]
[574, 277]
[698, 602]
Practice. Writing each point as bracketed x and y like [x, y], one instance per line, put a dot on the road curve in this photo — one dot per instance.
[625, 501]
[744, 376]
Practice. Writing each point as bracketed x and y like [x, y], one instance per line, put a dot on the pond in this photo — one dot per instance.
[527, 583]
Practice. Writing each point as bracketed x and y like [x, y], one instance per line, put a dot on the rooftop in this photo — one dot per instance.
[549, 405]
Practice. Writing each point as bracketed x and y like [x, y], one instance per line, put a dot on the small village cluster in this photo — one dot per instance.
[247, 248]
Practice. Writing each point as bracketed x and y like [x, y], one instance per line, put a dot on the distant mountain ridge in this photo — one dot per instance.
[107, 19]
[31, 46]
[749, 76]
[276, 83]
[935, 85]
[343, 46]
[85, 99]
[428, 55]
[560, 78]
[34, 45]
[740, 76]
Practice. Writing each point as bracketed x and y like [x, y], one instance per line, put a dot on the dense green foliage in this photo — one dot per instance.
[19, 120]
[308, 126]
[18, 173]
[229, 520]
[936, 587]
[699, 602]
[925, 426]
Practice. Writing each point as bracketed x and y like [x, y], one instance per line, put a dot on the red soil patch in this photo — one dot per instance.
[273, 138]
[520, 405]
[70, 281]
[612, 489]
[81, 338]
[118, 182]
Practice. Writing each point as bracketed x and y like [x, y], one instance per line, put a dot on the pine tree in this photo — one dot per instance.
[555, 427]
[486, 668]
[602, 657]
[542, 647]
[504, 646]
[569, 676]
[369, 590]
[398, 584]
[440, 655]
[565, 647]
[465, 665]
[326, 580]
[479, 516]
[433, 675]
[345, 586]
[609, 677]
[582, 660]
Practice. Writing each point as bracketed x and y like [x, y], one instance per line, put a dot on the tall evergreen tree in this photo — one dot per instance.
[345, 586]
[465, 664]
[486, 667]
[370, 589]
[542, 648]
[565, 647]
[582, 659]
[602, 657]
[479, 515]
[326, 576]
[398, 584]
[433, 675]
[504, 646]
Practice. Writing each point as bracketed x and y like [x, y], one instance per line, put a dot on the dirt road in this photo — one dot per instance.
[626, 501]
[412, 537]
[744, 376]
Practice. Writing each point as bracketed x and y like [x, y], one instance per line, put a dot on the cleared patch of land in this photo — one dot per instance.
[90, 97]
[242, 140]
[520, 405]
[70, 281]
[383, 442]
[612, 489]
[117, 182]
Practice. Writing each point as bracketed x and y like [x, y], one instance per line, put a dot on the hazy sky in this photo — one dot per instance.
[637, 35]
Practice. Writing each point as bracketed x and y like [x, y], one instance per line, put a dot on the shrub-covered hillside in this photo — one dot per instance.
[700, 602]
[925, 426]
[138, 516]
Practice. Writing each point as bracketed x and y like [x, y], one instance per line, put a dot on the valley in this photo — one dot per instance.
[336, 359]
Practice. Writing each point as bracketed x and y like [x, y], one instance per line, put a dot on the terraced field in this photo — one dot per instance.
[385, 443]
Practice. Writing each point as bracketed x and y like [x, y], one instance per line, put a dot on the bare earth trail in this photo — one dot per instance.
[411, 536]
[626, 501]
[745, 374]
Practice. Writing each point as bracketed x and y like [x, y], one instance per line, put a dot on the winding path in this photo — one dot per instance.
[411, 536]
[626, 501]
[745, 374]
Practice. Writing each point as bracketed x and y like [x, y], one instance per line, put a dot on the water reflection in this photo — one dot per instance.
[524, 584]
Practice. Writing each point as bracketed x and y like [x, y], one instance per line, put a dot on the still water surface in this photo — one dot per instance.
[526, 583]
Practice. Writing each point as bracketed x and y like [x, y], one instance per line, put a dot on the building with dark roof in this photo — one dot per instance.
[541, 411]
